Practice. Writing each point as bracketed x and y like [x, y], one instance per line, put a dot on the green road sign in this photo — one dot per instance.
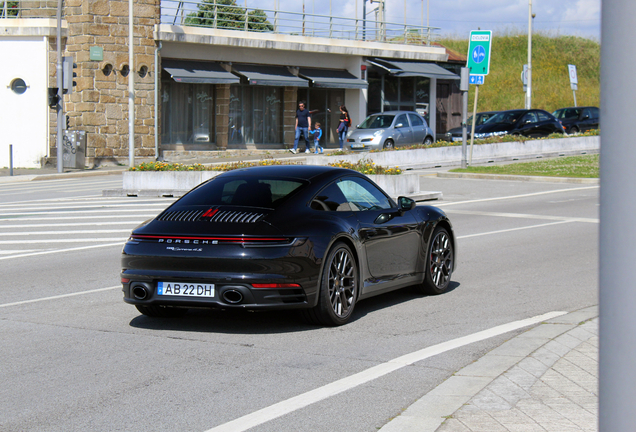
[479, 52]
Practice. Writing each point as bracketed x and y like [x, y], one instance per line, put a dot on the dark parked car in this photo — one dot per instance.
[313, 238]
[455, 134]
[390, 129]
[531, 123]
[578, 119]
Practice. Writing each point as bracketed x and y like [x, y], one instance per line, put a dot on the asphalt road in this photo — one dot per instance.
[76, 358]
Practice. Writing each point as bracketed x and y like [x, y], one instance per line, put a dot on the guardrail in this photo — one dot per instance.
[28, 9]
[210, 14]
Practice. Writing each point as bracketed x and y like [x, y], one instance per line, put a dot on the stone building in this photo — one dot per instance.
[217, 88]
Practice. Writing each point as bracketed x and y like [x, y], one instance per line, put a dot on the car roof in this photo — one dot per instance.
[306, 172]
[393, 112]
[583, 107]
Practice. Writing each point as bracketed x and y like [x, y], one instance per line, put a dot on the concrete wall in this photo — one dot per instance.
[484, 153]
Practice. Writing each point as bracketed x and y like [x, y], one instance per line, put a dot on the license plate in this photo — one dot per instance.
[357, 145]
[185, 289]
[457, 139]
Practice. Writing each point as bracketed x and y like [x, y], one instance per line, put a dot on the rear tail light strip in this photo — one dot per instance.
[215, 240]
[276, 285]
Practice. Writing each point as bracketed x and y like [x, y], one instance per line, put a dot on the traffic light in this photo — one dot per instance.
[53, 97]
[68, 74]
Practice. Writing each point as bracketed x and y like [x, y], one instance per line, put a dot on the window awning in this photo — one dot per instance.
[269, 75]
[186, 71]
[332, 78]
[412, 69]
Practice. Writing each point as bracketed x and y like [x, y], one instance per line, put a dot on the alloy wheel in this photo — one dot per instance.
[342, 283]
[441, 259]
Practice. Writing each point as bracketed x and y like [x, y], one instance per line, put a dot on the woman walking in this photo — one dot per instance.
[343, 126]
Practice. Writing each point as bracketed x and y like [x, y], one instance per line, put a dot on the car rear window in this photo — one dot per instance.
[243, 191]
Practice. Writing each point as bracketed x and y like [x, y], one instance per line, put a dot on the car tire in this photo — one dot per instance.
[574, 130]
[388, 145]
[428, 141]
[162, 311]
[338, 289]
[439, 265]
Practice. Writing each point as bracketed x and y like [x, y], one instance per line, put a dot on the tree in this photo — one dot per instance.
[228, 15]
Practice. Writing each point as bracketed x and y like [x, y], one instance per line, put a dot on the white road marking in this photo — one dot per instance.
[80, 240]
[510, 229]
[85, 217]
[54, 251]
[515, 196]
[30, 233]
[59, 296]
[295, 403]
[76, 212]
[523, 216]
[75, 224]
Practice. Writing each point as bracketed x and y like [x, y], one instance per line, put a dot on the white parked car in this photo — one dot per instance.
[390, 129]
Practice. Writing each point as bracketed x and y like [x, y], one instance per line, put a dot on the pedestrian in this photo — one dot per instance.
[317, 135]
[303, 125]
[343, 126]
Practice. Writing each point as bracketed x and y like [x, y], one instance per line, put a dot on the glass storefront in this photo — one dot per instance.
[388, 93]
[187, 113]
[324, 105]
[256, 115]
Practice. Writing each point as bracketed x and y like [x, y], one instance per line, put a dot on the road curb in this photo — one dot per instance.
[434, 408]
[58, 176]
[519, 178]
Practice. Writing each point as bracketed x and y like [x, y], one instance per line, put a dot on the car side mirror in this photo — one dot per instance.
[405, 203]
[585, 117]
[399, 125]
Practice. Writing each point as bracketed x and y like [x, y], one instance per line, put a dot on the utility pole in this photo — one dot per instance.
[529, 90]
[60, 92]
[131, 88]
[617, 392]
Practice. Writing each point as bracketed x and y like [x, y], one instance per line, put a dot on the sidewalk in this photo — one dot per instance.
[545, 379]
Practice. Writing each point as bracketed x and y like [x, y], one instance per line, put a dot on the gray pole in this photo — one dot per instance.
[60, 95]
[529, 87]
[617, 255]
[131, 88]
[464, 87]
[157, 98]
[364, 19]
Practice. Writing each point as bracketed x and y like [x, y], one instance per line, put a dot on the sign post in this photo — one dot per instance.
[574, 81]
[479, 65]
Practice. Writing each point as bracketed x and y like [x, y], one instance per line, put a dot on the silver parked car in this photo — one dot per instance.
[390, 129]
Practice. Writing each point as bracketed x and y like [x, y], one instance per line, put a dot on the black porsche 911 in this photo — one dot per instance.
[314, 238]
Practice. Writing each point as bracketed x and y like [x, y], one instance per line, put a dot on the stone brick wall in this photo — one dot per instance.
[99, 104]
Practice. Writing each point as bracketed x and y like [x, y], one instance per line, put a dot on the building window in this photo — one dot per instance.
[187, 113]
[256, 115]
[393, 93]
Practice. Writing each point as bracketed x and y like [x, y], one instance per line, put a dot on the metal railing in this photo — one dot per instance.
[28, 9]
[209, 14]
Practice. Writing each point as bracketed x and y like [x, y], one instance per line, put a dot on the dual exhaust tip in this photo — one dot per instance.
[231, 296]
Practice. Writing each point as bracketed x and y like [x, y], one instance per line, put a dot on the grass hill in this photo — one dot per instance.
[550, 80]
